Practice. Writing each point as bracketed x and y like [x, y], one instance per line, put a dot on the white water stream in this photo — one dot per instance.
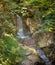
[20, 31]
[43, 57]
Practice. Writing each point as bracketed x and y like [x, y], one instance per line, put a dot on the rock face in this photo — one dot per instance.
[27, 62]
[32, 56]
[30, 42]
[33, 26]
[40, 40]
[43, 40]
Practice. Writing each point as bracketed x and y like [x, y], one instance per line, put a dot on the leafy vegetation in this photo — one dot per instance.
[41, 11]
[11, 52]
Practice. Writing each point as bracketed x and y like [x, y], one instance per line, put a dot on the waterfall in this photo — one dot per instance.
[20, 31]
[43, 57]
[21, 35]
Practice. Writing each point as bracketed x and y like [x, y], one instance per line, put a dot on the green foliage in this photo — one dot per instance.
[6, 14]
[11, 52]
[49, 21]
[41, 11]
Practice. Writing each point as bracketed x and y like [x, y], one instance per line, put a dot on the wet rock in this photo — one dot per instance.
[27, 62]
[44, 39]
[29, 42]
[33, 58]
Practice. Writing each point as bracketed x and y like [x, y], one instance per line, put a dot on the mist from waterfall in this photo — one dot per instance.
[20, 31]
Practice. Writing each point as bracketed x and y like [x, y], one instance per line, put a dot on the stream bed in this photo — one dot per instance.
[21, 35]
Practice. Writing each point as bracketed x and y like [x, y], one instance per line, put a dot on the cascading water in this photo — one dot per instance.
[20, 31]
[21, 35]
[43, 57]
